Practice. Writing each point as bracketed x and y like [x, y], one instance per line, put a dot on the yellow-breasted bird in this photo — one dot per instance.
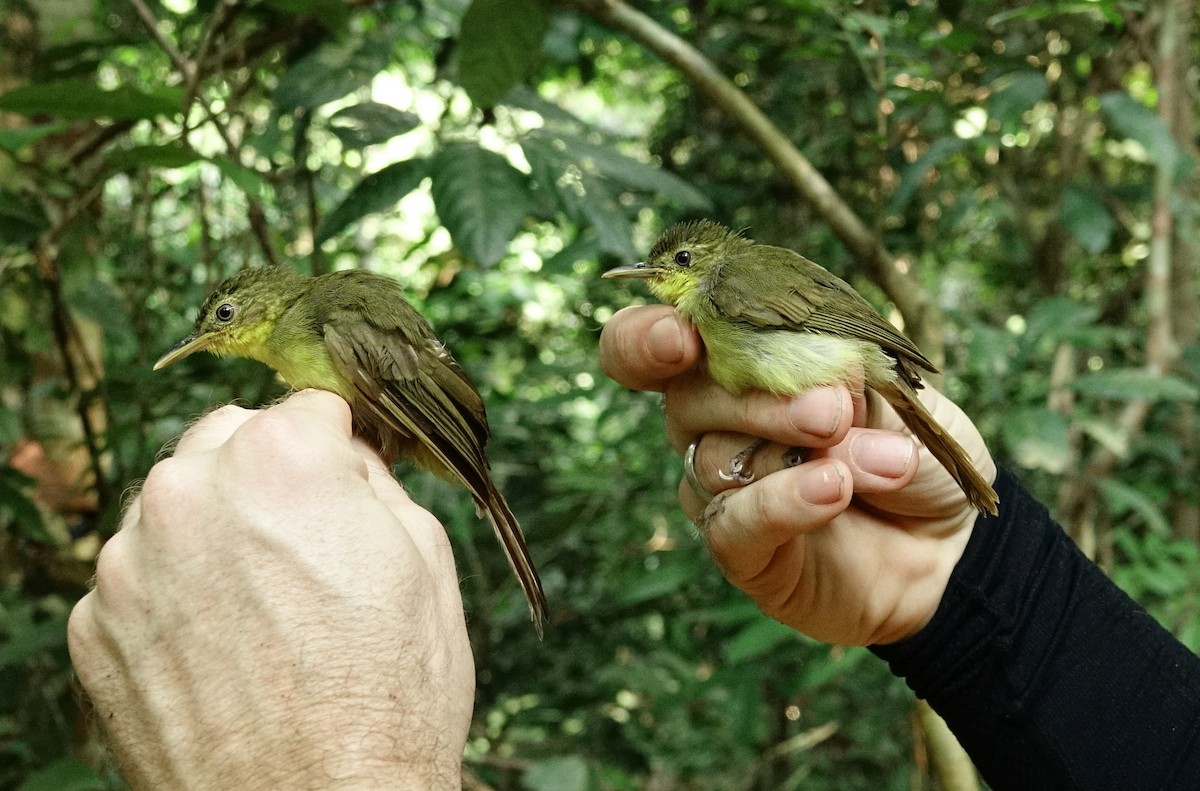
[353, 333]
[775, 321]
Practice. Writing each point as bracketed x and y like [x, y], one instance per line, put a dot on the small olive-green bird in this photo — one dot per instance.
[775, 321]
[353, 333]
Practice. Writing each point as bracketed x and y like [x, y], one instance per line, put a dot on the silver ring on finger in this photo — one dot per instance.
[689, 473]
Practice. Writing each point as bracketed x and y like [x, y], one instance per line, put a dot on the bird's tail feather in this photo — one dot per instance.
[942, 445]
[508, 530]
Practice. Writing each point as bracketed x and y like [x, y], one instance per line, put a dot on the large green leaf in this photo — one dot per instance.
[1038, 438]
[14, 140]
[76, 100]
[1086, 217]
[331, 72]
[500, 42]
[20, 221]
[333, 14]
[377, 192]
[65, 774]
[1130, 118]
[562, 773]
[759, 637]
[166, 155]
[621, 169]
[480, 198]
[1014, 93]
[914, 174]
[367, 123]
[1135, 384]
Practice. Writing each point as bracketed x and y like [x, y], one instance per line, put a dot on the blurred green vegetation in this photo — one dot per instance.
[1021, 163]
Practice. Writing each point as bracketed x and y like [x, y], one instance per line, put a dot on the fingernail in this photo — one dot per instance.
[822, 485]
[811, 412]
[883, 453]
[665, 341]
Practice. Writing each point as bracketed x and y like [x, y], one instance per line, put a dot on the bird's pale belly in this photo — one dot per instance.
[782, 361]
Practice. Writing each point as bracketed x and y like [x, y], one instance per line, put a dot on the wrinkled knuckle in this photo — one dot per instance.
[165, 488]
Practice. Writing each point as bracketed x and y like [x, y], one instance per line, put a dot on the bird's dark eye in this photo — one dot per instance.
[225, 312]
[683, 258]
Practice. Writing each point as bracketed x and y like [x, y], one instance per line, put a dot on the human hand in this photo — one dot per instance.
[275, 612]
[853, 546]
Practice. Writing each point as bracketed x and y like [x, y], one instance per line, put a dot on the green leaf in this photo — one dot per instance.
[1014, 93]
[29, 639]
[249, 181]
[331, 72]
[761, 636]
[564, 773]
[169, 155]
[377, 192]
[914, 174]
[1038, 438]
[499, 43]
[1086, 217]
[365, 124]
[624, 170]
[333, 14]
[1135, 384]
[20, 221]
[13, 140]
[65, 774]
[1131, 119]
[17, 507]
[1060, 319]
[480, 198]
[828, 666]
[76, 100]
[1123, 498]
[668, 578]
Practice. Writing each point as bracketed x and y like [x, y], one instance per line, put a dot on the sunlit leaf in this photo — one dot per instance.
[621, 169]
[1130, 118]
[1014, 93]
[500, 42]
[480, 198]
[250, 182]
[377, 192]
[75, 100]
[368, 123]
[330, 73]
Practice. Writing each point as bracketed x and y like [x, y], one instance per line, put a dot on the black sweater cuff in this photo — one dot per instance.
[1048, 674]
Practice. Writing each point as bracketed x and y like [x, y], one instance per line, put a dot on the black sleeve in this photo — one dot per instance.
[1048, 674]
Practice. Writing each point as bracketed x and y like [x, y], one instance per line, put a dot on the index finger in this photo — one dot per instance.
[644, 347]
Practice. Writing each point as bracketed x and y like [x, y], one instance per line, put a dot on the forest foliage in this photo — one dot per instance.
[1014, 183]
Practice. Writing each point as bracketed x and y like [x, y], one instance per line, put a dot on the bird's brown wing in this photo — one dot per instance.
[420, 404]
[407, 382]
[774, 297]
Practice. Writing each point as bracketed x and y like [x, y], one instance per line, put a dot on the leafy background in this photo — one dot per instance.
[1014, 183]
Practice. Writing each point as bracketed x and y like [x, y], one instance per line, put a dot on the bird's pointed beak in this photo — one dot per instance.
[190, 344]
[640, 269]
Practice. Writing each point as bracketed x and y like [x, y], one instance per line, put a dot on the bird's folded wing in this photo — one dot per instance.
[830, 306]
[412, 384]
